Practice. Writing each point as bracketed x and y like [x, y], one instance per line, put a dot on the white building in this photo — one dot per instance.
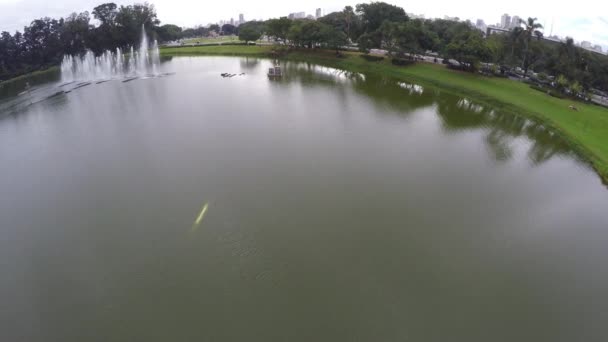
[586, 45]
[297, 15]
[505, 21]
[319, 13]
[241, 19]
[515, 21]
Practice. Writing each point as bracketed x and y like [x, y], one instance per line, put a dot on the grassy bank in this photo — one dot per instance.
[207, 40]
[586, 130]
[31, 75]
[222, 50]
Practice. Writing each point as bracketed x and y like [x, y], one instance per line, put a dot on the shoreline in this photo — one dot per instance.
[36, 73]
[585, 131]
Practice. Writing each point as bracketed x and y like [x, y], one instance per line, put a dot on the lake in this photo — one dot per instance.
[321, 206]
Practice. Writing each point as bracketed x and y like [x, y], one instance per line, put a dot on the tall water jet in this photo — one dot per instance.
[155, 58]
[132, 70]
[113, 65]
[67, 69]
[143, 57]
[120, 62]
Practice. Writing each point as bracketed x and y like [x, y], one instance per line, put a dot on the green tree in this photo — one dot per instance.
[561, 82]
[333, 38]
[169, 32]
[368, 41]
[250, 31]
[576, 88]
[375, 13]
[306, 33]
[390, 33]
[215, 27]
[228, 30]
[345, 21]
[278, 28]
[515, 39]
[106, 13]
[75, 33]
[531, 29]
[469, 48]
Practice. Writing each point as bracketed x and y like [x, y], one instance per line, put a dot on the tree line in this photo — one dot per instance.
[45, 41]
[379, 25]
[375, 25]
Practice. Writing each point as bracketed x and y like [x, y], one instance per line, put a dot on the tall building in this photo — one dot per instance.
[515, 21]
[297, 15]
[232, 21]
[241, 19]
[505, 21]
[319, 13]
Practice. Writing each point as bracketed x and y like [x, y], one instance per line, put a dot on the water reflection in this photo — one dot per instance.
[248, 63]
[344, 190]
[309, 74]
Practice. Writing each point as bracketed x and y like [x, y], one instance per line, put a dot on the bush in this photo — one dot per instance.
[460, 67]
[235, 43]
[371, 58]
[550, 92]
[402, 62]
[556, 94]
[541, 89]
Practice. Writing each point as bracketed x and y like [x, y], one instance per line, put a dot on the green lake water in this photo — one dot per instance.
[338, 207]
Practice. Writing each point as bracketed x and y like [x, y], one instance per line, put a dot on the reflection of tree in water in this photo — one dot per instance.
[456, 114]
[249, 63]
[398, 96]
[461, 114]
[309, 75]
[546, 144]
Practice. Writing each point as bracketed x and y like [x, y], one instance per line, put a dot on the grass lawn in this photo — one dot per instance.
[586, 130]
[228, 50]
[207, 40]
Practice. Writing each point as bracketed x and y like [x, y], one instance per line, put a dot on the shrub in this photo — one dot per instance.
[556, 94]
[402, 62]
[550, 92]
[371, 58]
[535, 87]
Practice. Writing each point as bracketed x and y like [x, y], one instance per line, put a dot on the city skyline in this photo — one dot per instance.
[575, 22]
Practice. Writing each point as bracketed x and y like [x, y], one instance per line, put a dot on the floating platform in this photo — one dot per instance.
[275, 71]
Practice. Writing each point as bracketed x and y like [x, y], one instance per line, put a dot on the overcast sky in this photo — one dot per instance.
[582, 19]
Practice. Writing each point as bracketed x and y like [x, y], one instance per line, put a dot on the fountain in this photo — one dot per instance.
[143, 62]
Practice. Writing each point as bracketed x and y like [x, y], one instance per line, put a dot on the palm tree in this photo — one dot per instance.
[568, 56]
[348, 14]
[531, 28]
[514, 37]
